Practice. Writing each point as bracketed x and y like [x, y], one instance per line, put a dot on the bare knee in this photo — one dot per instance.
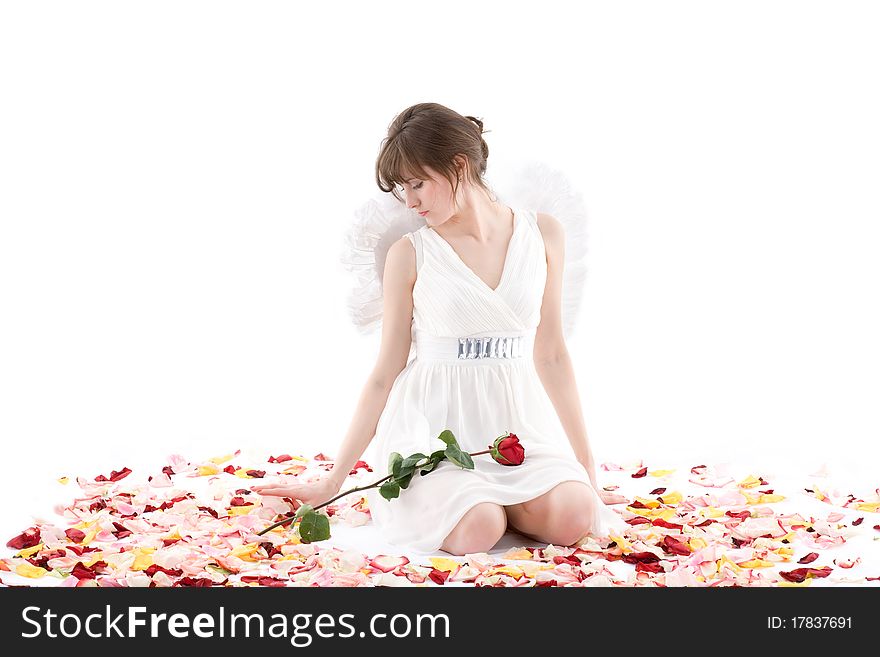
[570, 514]
[477, 531]
[573, 513]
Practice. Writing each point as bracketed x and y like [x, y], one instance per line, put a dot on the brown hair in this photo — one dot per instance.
[430, 134]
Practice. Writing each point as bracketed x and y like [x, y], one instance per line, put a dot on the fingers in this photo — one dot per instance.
[284, 491]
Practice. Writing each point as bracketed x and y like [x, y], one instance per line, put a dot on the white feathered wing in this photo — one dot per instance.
[383, 220]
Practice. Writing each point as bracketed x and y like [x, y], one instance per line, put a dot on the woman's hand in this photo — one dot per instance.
[606, 496]
[313, 494]
[611, 498]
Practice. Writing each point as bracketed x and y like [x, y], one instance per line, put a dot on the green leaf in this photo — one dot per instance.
[301, 511]
[389, 490]
[409, 465]
[436, 457]
[403, 482]
[460, 458]
[394, 462]
[448, 437]
[314, 527]
[412, 461]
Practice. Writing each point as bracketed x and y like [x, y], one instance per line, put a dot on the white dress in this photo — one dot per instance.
[492, 389]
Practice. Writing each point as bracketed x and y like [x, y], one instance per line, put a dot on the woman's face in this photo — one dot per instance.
[433, 197]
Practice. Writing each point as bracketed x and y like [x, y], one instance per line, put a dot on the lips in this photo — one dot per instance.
[423, 213]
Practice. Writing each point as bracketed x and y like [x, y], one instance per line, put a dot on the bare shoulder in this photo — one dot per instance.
[400, 263]
[552, 230]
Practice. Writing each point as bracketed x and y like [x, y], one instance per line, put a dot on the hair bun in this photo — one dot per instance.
[477, 121]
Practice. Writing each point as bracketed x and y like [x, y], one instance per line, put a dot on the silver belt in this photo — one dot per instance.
[474, 349]
[492, 347]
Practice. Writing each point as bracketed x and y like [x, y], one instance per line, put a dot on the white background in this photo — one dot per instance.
[176, 179]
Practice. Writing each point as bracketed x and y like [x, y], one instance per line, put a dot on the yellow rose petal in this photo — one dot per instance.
[522, 554]
[665, 514]
[756, 563]
[206, 470]
[143, 558]
[712, 512]
[622, 543]
[27, 552]
[671, 498]
[697, 543]
[513, 571]
[725, 559]
[63, 480]
[94, 557]
[221, 459]
[873, 507]
[241, 510]
[661, 473]
[750, 482]
[246, 551]
[29, 570]
[767, 498]
[446, 565]
[651, 504]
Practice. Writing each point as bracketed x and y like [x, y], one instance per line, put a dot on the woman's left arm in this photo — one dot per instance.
[552, 361]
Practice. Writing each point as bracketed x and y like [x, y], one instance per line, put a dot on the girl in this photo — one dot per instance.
[476, 293]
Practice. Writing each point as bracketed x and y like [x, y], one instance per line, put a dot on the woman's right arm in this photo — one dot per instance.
[397, 311]
[397, 308]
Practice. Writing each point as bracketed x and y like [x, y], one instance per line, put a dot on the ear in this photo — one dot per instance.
[461, 164]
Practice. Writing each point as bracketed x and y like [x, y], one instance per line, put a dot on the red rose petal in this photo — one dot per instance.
[857, 522]
[800, 574]
[659, 522]
[810, 558]
[359, 466]
[81, 572]
[658, 491]
[640, 473]
[644, 557]
[675, 546]
[28, 538]
[194, 581]
[438, 576]
[569, 560]
[649, 567]
[172, 572]
[263, 580]
[114, 475]
[259, 474]
[75, 535]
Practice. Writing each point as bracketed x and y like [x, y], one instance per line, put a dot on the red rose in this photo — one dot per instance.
[507, 450]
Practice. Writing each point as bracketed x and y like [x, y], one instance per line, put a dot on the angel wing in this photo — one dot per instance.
[383, 220]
